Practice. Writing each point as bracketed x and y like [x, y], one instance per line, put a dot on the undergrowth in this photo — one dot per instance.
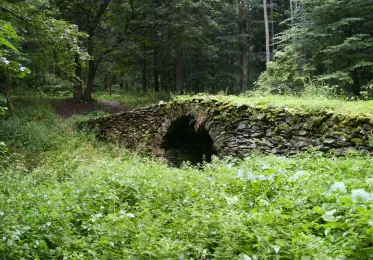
[310, 103]
[65, 195]
[135, 100]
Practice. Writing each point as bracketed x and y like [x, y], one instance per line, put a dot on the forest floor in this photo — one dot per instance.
[69, 107]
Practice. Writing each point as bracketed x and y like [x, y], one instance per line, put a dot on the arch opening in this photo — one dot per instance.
[183, 142]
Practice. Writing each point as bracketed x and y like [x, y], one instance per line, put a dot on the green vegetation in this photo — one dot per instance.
[305, 103]
[328, 43]
[187, 46]
[135, 100]
[63, 194]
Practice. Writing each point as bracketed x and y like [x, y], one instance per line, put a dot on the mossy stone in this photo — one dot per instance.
[357, 140]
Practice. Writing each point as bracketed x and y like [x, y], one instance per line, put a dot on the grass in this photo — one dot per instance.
[65, 195]
[299, 104]
[135, 100]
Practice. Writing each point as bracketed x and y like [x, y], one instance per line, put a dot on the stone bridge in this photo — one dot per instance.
[197, 129]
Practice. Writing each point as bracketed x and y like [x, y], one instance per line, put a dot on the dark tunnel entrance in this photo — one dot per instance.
[183, 143]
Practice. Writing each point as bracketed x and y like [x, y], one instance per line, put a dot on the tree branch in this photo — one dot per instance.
[26, 21]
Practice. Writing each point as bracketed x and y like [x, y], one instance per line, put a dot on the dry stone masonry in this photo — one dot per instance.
[195, 130]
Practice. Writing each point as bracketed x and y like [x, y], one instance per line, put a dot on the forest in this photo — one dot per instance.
[67, 193]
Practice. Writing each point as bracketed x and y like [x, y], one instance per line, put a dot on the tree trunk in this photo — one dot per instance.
[244, 47]
[78, 94]
[163, 80]
[272, 27]
[356, 85]
[291, 12]
[91, 67]
[90, 81]
[144, 72]
[164, 69]
[126, 86]
[54, 63]
[266, 25]
[196, 78]
[93, 23]
[121, 82]
[156, 70]
[179, 69]
[110, 83]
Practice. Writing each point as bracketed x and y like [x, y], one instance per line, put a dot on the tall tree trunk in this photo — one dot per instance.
[54, 63]
[121, 84]
[179, 69]
[356, 85]
[126, 86]
[144, 72]
[244, 47]
[110, 83]
[92, 68]
[163, 74]
[291, 12]
[156, 69]
[78, 79]
[266, 25]
[144, 78]
[92, 24]
[196, 85]
[272, 26]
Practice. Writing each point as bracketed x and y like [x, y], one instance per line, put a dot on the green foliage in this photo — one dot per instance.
[135, 100]
[2, 106]
[329, 43]
[33, 131]
[9, 55]
[283, 75]
[7, 31]
[3, 147]
[86, 200]
[31, 37]
[309, 102]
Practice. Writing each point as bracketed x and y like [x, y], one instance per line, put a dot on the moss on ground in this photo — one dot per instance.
[297, 105]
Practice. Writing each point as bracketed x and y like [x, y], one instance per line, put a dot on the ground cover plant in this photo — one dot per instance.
[66, 195]
[305, 103]
[135, 100]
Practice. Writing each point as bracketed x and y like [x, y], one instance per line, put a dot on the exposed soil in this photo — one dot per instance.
[69, 107]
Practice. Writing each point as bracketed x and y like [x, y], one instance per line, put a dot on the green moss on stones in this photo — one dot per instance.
[363, 119]
[341, 134]
[357, 141]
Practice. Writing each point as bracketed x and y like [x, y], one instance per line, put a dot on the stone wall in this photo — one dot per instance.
[238, 131]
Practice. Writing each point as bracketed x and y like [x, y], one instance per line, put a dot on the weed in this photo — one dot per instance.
[84, 199]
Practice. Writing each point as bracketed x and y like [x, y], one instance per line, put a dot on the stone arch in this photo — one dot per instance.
[187, 139]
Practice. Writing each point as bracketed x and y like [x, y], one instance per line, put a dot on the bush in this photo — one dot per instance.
[36, 128]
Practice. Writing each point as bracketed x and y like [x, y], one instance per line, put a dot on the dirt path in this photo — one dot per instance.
[69, 107]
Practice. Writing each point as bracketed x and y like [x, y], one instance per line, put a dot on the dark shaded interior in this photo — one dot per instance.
[183, 143]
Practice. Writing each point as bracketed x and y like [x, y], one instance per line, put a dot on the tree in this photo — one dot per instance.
[87, 14]
[266, 24]
[10, 65]
[244, 34]
[180, 46]
[329, 43]
[32, 38]
[91, 27]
